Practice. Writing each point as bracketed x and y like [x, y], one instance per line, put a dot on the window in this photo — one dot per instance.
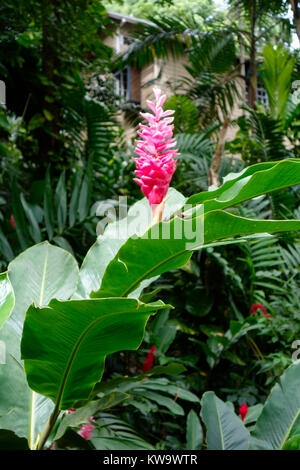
[123, 83]
[128, 84]
[261, 95]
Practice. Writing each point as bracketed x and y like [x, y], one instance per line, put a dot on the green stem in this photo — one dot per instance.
[48, 428]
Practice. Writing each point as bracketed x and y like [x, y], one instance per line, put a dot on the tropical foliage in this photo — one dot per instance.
[124, 331]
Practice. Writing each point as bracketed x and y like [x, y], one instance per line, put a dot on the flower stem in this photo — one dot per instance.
[48, 428]
[157, 212]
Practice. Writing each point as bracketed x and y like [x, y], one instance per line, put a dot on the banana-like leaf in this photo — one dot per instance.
[225, 431]
[65, 344]
[168, 246]
[194, 433]
[7, 298]
[115, 235]
[37, 275]
[279, 420]
[252, 182]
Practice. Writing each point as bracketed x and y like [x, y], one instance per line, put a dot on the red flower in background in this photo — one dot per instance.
[12, 222]
[148, 362]
[261, 307]
[243, 410]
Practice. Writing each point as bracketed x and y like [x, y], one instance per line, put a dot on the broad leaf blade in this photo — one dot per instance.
[64, 345]
[280, 416]
[252, 182]
[7, 298]
[194, 433]
[155, 253]
[115, 235]
[225, 431]
[37, 275]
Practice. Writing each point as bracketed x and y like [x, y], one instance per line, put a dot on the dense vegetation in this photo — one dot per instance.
[226, 330]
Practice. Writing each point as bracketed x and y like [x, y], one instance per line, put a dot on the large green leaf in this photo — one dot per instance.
[194, 433]
[37, 275]
[65, 344]
[279, 420]
[115, 235]
[225, 431]
[144, 257]
[251, 182]
[7, 298]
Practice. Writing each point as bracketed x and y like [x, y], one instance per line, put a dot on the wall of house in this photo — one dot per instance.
[161, 73]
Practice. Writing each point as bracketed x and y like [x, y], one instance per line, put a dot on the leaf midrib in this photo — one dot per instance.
[32, 393]
[146, 275]
[74, 351]
[287, 435]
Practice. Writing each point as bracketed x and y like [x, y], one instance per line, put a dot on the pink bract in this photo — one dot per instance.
[156, 165]
[86, 431]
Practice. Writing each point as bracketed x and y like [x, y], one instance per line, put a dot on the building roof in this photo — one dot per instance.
[127, 19]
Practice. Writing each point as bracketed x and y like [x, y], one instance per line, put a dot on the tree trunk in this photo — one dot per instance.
[253, 67]
[213, 174]
[49, 136]
[296, 13]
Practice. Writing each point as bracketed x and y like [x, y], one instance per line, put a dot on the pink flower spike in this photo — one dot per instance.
[156, 164]
[86, 431]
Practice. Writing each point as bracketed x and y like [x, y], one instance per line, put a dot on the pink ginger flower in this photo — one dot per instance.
[86, 429]
[156, 165]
